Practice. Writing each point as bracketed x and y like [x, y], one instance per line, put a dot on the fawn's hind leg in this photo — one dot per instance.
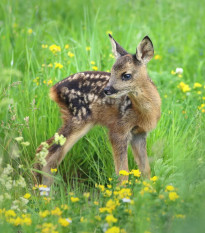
[139, 149]
[57, 152]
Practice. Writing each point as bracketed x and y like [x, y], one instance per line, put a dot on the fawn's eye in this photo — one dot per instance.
[126, 77]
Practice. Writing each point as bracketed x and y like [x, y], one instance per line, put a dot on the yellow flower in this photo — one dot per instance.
[203, 110]
[17, 221]
[109, 32]
[184, 87]
[110, 179]
[107, 193]
[58, 65]
[169, 188]
[154, 178]
[95, 68]
[196, 85]
[98, 218]
[56, 211]
[65, 207]
[44, 46]
[103, 209]
[158, 57]
[173, 196]
[165, 96]
[199, 92]
[55, 48]
[180, 75]
[74, 199]
[173, 72]
[43, 65]
[101, 187]
[203, 98]
[44, 213]
[47, 199]
[63, 222]
[110, 219]
[50, 65]
[44, 81]
[71, 54]
[88, 48]
[111, 55]
[92, 63]
[53, 170]
[202, 106]
[42, 186]
[49, 82]
[67, 46]
[109, 186]
[96, 203]
[27, 195]
[123, 173]
[82, 219]
[86, 195]
[27, 221]
[136, 173]
[30, 31]
[113, 230]
[182, 216]
[10, 213]
[111, 205]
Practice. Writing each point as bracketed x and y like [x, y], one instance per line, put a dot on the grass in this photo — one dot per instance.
[176, 147]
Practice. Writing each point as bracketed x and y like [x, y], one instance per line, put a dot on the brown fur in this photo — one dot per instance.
[129, 109]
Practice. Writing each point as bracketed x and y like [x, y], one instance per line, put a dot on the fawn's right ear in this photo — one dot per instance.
[145, 50]
[117, 50]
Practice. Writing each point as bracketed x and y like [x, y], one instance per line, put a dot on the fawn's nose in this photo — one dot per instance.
[107, 90]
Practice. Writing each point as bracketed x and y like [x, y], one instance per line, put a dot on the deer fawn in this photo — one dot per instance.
[126, 101]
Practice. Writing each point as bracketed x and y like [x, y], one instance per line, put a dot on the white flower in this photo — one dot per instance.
[24, 200]
[179, 70]
[59, 139]
[25, 143]
[127, 200]
[69, 220]
[47, 189]
[18, 139]
[44, 193]
[7, 196]
[105, 227]
[21, 182]
[8, 170]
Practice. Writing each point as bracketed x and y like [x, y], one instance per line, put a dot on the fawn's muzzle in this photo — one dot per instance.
[110, 90]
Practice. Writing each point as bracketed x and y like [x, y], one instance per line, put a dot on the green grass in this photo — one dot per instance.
[176, 147]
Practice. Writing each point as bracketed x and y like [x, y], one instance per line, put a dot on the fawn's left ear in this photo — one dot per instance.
[117, 50]
[145, 50]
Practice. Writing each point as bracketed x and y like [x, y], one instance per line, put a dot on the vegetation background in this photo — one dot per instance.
[42, 42]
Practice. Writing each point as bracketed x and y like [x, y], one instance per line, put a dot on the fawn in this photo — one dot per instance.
[125, 101]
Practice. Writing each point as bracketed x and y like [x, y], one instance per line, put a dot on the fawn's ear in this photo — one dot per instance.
[117, 50]
[145, 50]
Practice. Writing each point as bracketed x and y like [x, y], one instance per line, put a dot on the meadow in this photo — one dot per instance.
[43, 42]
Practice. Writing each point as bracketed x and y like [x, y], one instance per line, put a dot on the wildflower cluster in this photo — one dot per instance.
[110, 209]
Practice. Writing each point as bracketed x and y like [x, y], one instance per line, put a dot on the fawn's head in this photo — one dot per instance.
[129, 72]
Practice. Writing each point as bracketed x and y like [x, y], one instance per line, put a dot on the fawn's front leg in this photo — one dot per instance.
[139, 148]
[119, 146]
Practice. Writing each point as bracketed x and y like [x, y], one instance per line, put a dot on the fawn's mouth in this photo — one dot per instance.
[118, 94]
